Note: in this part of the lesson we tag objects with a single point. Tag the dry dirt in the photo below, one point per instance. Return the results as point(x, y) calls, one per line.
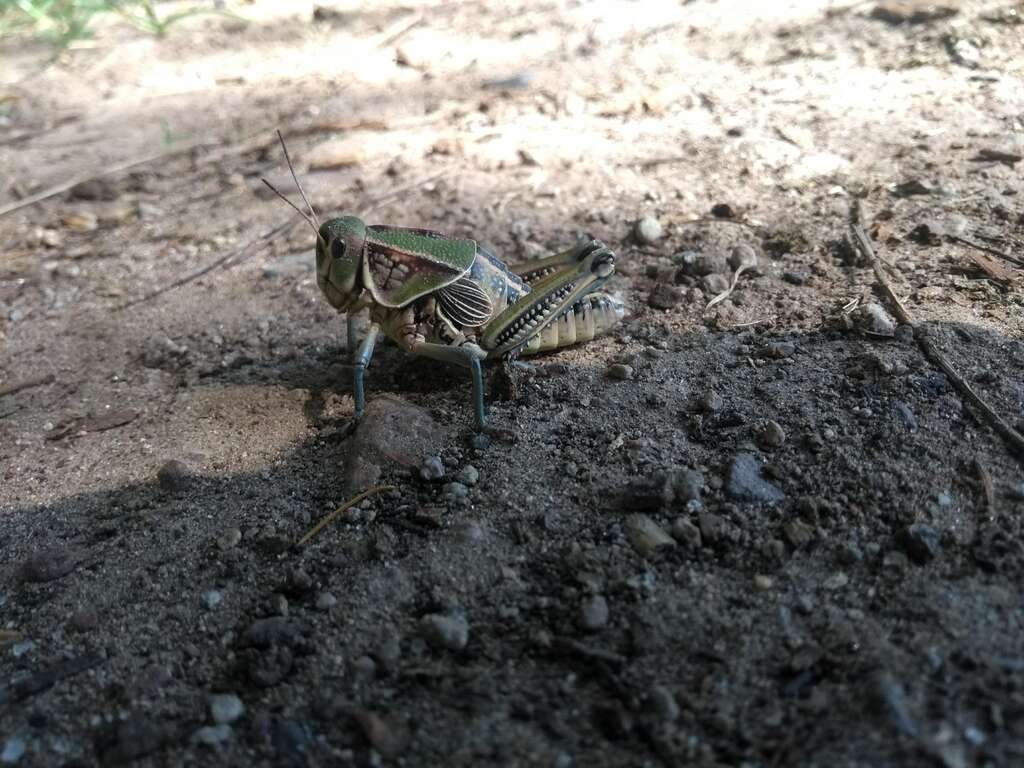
point(778, 537)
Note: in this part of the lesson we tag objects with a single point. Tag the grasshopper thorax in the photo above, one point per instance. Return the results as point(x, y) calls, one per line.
point(339, 254)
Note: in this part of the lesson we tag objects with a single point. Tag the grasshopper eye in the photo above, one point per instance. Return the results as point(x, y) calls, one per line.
point(338, 248)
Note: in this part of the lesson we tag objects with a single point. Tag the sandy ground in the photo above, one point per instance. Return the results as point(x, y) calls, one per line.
point(767, 533)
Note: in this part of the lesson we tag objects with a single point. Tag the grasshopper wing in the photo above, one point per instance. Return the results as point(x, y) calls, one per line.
point(401, 265)
point(465, 303)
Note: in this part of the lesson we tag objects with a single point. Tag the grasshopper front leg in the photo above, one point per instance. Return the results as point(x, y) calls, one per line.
point(583, 270)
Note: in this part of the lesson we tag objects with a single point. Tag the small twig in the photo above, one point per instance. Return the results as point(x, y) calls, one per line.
point(987, 249)
point(398, 192)
point(728, 291)
point(35, 381)
point(328, 519)
point(569, 646)
point(397, 30)
point(718, 220)
point(64, 186)
point(988, 494)
point(931, 352)
point(260, 241)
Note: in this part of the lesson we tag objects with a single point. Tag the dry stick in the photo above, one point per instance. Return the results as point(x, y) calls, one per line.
point(75, 180)
point(932, 352)
point(260, 241)
point(987, 249)
point(347, 505)
point(396, 193)
point(17, 386)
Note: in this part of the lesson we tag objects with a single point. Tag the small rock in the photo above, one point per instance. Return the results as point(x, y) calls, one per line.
point(797, 533)
point(687, 485)
point(226, 708)
point(711, 527)
point(445, 632)
point(594, 613)
point(723, 211)
point(387, 735)
point(19, 649)
point(921, 542)
point(648, 230)
point(454, 491)
point(873, 319)
point(796, 277)
point(837, 580)
point(660, 703)
point(743, 256)
point(620, 372)
point(769, 435)
point(686, 532)
point(278, 604)
point(325, 601)
point(905, 415)
point(468, 475)
point(664, 296)
point(212, 735)
point(715, 284)
point(709, 402)
point(762, 583)
point(364, 669)
point(47, 565)
point(84, 620)
point(897, 12)
point(130, 739)
point(646, 536)
point(229, 539)
point(745, 483)
point(432, 468)
point(211, 599)
point(14, 750)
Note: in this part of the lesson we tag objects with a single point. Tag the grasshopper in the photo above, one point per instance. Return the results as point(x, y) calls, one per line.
point(451, 299)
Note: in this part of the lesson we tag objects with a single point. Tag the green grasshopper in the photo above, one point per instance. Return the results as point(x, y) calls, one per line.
point(453, 300)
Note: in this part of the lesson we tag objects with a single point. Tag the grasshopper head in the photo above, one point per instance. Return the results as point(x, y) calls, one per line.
point(339, 256)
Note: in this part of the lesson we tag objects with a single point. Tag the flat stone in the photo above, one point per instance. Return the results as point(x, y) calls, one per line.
point(646, 536)
point(226, 708)
point(443, 632)
point(212, 735)
point(744, 481)
point(594, 613)
point(921, 543)
point(391, 432)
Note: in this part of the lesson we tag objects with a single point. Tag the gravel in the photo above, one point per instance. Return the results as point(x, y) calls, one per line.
point(445, 632)
point(226, 708)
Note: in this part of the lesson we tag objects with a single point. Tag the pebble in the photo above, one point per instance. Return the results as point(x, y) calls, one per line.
point(225, 708)
point(796, 277)
point(594, 613)
point(229, 539)
point(873, 319)
point(211, 599)
point(646, 536)
point(173, 475)
point(212, 735)
point(325, 601)
point(762, 583)
point(837, 580)
point(468, 475)
point(364, 669)
point(432, 468)
point(278, 604)
point(664, 296)
point(921, 542)
point(743, 256)
point(715, 284)
point(14, 749)
point(454, 491)
point(299, 583)
point(19, 649)
point(662, 704)
point(686, 532)
point(687, 485)
point(903, 412)
point(769, 434)
point(84, 620)
point(47, 565)
point(745, 483)
point(709, 402)
point(648, 230)
point(711, 526)
point(797, 533)
point(130, 739)
point(445, 632)
point(387, 735)
point(620, 372)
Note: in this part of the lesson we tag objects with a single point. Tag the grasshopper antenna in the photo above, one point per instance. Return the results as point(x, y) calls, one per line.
point(310, 217)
